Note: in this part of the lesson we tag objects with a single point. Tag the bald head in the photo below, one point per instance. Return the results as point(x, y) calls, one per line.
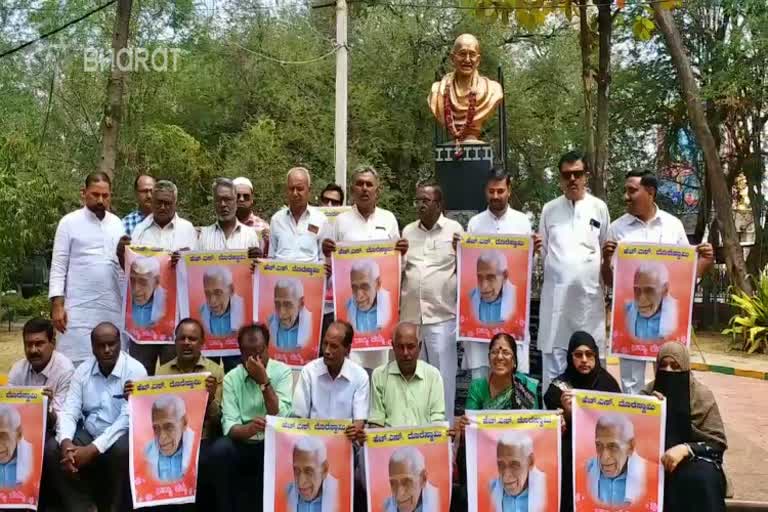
point(466, 41)
point(406, 346)
point(465, 56)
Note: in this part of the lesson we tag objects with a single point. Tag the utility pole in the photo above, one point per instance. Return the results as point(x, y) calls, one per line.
point(340, 141)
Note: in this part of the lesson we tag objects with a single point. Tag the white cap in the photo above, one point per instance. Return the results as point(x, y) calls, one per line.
point(243, 181)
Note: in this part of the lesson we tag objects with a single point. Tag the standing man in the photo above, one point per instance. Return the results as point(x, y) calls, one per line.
point(332, 195)
point(85, 283)
point(363, 223)
point(244, 192)
point(163, 229)
point(644, 222)
point(142, 187)
point(429, 285)
point(573, 228)
point(498, 219)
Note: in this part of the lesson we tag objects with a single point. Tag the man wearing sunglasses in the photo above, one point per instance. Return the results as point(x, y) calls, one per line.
point(573, 228)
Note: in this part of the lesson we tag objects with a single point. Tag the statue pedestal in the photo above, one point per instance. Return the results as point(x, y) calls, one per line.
point(463, 179)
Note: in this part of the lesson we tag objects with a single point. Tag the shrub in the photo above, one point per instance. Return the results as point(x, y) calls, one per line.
point(749, 327)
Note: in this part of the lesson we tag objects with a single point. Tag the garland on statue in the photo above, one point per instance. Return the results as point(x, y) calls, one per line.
point(458, 134)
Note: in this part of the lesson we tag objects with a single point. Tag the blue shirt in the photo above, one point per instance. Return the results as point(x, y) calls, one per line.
point(169, 466)
point(517, 503)
point(142, 315)
point(648, 328)
point(490, 312)
point(132, 220)
point(288, 339)
point(316, 505)
point(8, 474)
point(366, 321)
point(221, 325)
point(611, 490)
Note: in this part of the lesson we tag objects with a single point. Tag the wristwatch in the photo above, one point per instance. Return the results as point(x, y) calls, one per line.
point(264, 386)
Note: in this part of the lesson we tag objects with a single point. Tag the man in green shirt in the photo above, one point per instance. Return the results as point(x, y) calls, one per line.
point(406, 392)
point(255, 388)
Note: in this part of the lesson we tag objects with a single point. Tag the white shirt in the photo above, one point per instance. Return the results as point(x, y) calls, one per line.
point(176, 235)
point(572, 295)
point(317, 395)
point(94, 398)
point(56, 375)
point(663, 228)
point(300, 241)
point(212, 238)
point(86, 272)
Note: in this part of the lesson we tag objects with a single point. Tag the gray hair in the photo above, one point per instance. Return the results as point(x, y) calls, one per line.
point(225, 183)
point(165, 185)
point(621, 423)
point(515, 439)
point(293, 284)
point(410, 455)
point(167, 402)
point(369, 267)
point(300, 170)
point(655, 269)
point(146, 265)
point(494, 257)
point(10, 414)
point(313, 446)
point(366, 169)
point(221, 273)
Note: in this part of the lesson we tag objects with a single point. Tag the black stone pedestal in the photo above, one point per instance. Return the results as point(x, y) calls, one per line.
point(463, 179)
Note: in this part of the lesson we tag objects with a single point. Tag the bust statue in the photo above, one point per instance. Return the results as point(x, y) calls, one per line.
point(464, 100)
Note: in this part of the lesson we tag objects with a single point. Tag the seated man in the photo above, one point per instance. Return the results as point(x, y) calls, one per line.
point(291, 323)
point(409, 482)
point(652, 315)
point(493, 301)
point(520, 485)
point(16, 453)
point(313, 487)
point(92, 456)
point(406, 392)
point(256, 387)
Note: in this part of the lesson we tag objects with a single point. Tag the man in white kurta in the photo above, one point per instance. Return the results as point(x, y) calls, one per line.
point(644, 222)
point(86, 279)
point(497, 219)
point(365, 222)
point(573, 228)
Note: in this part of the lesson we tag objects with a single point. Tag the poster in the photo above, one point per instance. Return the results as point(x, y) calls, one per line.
point(306, 460)
point(366, 286)
point(149, 298)
point(216, 288)
point(331, 212)
point(494, 286)
point(289, 300)
point(513, 453)
point(405, 466)
point(166, 424)
point(653, 288)
point(617, 436)
point(22, 441)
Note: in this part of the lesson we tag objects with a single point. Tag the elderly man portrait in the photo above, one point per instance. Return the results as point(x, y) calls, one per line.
point(652, 315)
point(645, 222)
point(244, 193)
point(493, 300)
point(616, 475)
point(428, 296)
point(16, 453)
point(142, 189)
point(370, 307)
point(91, 461)
point(223, 311)
point(409, 483)
point(169, 452)
point(147, 296)
point(365, 222)
point(313, 488)
point(573, 228)
point(520, 486)
point(291, 323)
point(86, 284)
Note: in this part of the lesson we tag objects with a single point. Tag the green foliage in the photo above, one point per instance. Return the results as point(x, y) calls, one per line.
point(14, 307)
point(749, 327)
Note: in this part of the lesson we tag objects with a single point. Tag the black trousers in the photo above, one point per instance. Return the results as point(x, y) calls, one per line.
point(696, 485)
point(238, 475)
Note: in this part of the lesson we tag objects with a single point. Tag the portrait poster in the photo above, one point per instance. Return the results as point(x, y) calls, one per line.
point(617, 437)
point(149, 298)
point(166, 425)
point(405, 466)
point(653, 287)
point(516, 453)
point(216, 288)
point(366, 291)
point(23, 416)
point(494, 286)
point(288, 298)
point(307, 459)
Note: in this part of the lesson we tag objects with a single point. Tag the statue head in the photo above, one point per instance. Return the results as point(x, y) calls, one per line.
point(465, 55)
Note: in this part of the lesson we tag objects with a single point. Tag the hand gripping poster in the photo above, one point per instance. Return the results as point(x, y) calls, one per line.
point(494, 286)
point(366, 291)
point(307, 465)
point(149, 300)
point(653, 288)
point(23, 415)
point(166, 424)
point(216, 288)
point(618, 441)
point(513, 461)
point(405, 467)
point(289, 300)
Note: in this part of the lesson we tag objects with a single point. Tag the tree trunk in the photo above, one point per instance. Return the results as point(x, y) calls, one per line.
point(113, 107)
point(588, 83)
point(602, 137)
point(734, 257)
